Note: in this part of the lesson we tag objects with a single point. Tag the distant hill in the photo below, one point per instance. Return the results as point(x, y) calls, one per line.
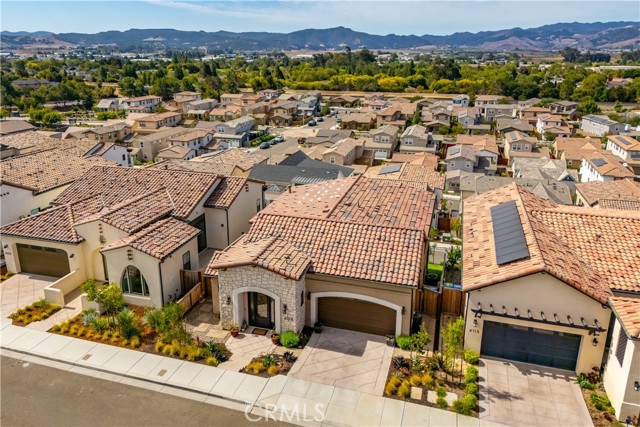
point(594, 36)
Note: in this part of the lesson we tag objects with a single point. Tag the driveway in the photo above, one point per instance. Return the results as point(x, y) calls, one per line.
point(522, 394)
point(21, 290)
point(345, 359)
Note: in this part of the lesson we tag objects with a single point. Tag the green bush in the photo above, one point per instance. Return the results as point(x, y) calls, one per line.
point(471, 375)
point(441, 402)
point(472, 388)
point(270, 360)
point(289, 339)
point(471, 357)
point(600, 401)
point(459, 408)
point(404, 390)
point(441, 391)
point(470, 401)
point(404, 342)
point(128, 325)
point(212, 361)
point(89, 316)
point(100, 324)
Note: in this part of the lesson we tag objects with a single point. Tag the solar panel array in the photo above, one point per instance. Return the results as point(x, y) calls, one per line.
point(390, 169)
point(599, 162)
point(508, 234)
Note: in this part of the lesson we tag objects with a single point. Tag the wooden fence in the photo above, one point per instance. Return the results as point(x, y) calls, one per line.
point(189, 279)
point(449, 301)
point(192, 297)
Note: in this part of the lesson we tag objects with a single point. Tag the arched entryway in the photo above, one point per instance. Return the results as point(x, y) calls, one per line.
point(257, 306)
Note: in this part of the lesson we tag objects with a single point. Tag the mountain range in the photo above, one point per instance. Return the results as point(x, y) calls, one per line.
point(593, 36)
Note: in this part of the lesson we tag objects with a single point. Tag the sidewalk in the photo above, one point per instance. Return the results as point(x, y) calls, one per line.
point(282, 397)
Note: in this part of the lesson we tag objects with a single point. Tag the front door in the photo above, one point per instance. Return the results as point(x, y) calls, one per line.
point(261, 308)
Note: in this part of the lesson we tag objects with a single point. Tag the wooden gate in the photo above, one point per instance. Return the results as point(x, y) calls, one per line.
point(189, 279)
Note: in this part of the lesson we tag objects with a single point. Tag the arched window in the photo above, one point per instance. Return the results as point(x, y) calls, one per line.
point(133, 282)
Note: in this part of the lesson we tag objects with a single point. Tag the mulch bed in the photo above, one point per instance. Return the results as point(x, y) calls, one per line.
point(283, 366)
point(32, 313)
point(599, 418)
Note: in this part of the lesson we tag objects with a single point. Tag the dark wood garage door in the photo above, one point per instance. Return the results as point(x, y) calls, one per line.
point(530, 345)
point(356, 315)
point(41, 260)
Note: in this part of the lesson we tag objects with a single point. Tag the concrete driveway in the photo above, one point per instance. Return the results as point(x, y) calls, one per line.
point(522, 394)
point(345, 359)
point(21, 290)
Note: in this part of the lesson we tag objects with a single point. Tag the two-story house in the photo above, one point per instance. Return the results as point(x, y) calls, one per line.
point(626, 148)
point(530, 114)
point(112, 133)
point(384, 141)
point(156, 121)
point(141, 104)
point(551, 124)
point(601, 125)
point(518, 144)
point(416, 138)
point(186, 96)
point(602, 166)
point(567, 109)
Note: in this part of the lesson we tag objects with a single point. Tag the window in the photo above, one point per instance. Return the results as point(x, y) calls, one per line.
point(526, 147)
point(186, 261)
point(302, 298)
point(516, 147)
point(621, 347)
point(468, 165)
point(133, 282)
point(332, 159)
point(124, 157)
point(258, 205)
point(34, 211)
point(141, 144)
point(452, 164)
point(408, 141)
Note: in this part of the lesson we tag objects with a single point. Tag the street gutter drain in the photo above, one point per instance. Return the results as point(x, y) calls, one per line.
point(162, 372)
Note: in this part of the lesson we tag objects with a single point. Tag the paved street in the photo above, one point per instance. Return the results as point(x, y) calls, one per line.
point(36, 395)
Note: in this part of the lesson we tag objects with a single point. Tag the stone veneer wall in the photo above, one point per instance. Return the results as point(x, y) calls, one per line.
point(288, 290)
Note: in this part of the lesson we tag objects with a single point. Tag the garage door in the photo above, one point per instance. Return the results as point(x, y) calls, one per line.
point(356, 315)
point(44, 261)
point(531, 345)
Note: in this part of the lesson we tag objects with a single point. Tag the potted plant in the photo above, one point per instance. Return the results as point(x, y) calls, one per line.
point(234, 329)
point(275, 338)
point(317, 327)
point(391, 340)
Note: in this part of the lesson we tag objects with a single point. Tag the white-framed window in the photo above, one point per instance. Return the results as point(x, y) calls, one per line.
point(133, 281)
point(332, 159)
point(384, 139)
point(516, 147)
point(526, 147)
point(408, 141)
point(468, 165)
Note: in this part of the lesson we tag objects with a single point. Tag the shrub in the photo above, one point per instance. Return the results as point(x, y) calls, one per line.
point(255, 368)
point(89, 316)
point(110, 297)
point(472, 388)
point(21, 319)
point(41, 304)
point(100, 324)
point(36, 318)
point(600, 401)
point(107, 335)
point(404, 341)
point(459, 408)
point(64, 328)
point(392, 386)
point(56, 328)
point(159, 346)
point(273, 370)
point(115, 339)
point(167, 349)
point(471, 375)
point(441, 391)
point(442, 403)
point(415, 380)
point(212, 361)
point(404, 390)
point(218, 350)
point(194, 352)
point(89, 333)
point(135, 342)
point(471, 357)
point(82, 331)
point(156, 319)
point(125, 342)
point(73, 330)
point(289, 339)
point(127, 323)
point(470, 402)
point(427, 380)
point(269, 360)
point(175, 349)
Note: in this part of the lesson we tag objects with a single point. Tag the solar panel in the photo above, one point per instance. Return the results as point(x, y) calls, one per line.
point(454, 150)
point(390, 169)
point(599, 162)
point(508, 234)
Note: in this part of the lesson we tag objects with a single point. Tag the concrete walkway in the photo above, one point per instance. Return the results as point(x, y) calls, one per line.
point(280, 397)
point(21, 290)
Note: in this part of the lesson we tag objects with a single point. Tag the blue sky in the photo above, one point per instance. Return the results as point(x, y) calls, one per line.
point(377, 17)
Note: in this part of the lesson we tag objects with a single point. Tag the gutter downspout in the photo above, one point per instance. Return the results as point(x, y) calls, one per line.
point(161, 287)
point(226, 211)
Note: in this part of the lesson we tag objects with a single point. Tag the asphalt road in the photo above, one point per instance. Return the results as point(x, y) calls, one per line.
point(36, 395)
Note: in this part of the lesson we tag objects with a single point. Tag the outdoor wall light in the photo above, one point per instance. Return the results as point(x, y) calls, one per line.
point(516, 311)
point(403, 310)
point(543, 316)
point(5, 246)
point(72, 255)
point(284, 308)
point(595, 342)
point(636, 386)
point(475, 322)
point(228, 300)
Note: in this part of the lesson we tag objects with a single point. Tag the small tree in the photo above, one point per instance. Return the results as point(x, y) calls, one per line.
point(326, 108)
point(109, 297)
point(452, 340)
point(456, 223)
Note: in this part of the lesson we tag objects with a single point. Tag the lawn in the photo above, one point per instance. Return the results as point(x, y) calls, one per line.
point(435, 269)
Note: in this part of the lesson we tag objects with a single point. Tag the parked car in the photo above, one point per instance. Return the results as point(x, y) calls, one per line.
point(312, 123)
point(338, 120)
point(278, 138)
point(264, 145)
point(320, 119)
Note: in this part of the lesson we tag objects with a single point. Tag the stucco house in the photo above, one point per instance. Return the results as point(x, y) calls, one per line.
point(135, 227)
point(603, 166)
point(626, 148)
point(327, 252)
point(597, 125)
point(385, 141)
point(519, 250)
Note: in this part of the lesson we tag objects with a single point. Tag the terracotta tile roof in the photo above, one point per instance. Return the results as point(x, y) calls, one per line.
point(270, 253)
point(79, 147)
point(608, 165)
point(159, 117)
point(189, 166)
point(14, 126)
point(548, 251)
point(359, 200)
point(55, 224)
point(45, 170)
point(415, 175)
point(23, 140)
point(226, 192)
point(237, 157)
point(625, 142)
point(360, 251)
point(622, 189)
point(344, 146)
point(627, 205)
point(627, 310)
point(174, 152)
point(159, 240)
point(196, 133)
point(424, 159)
point(134, 214)
point(482, 142)
point(115, 185)
point(608, 240)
